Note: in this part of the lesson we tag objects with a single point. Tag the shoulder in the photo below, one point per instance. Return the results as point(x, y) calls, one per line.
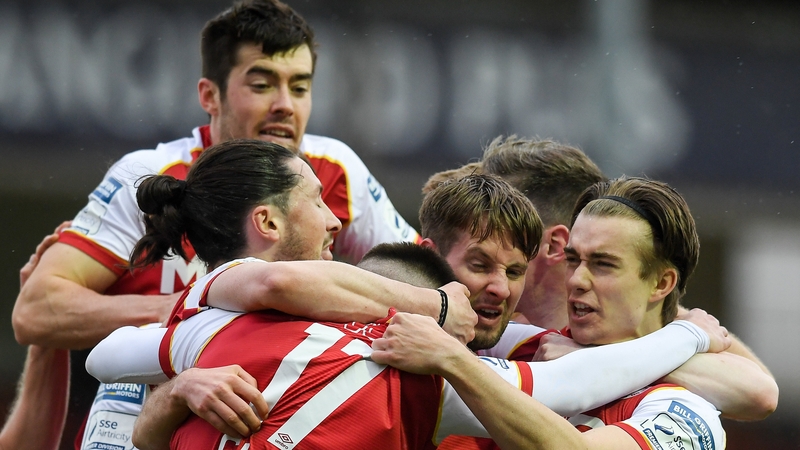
point(670, 413)
point(332, 150)
point(518, 342)
point(158, 160)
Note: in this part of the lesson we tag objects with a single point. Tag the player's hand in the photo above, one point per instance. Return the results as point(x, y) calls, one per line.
point(553, 346)
point(417, 344)
point(720, 341)
point(461, 319)
point(222, 397)
point(46, 243)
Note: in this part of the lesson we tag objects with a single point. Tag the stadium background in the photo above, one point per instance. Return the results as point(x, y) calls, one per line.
point(703, 95)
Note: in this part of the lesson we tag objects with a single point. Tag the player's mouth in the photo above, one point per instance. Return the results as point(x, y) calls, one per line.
point(327, 251)
point(277, 134)
point(488, 315)
point(580, 310)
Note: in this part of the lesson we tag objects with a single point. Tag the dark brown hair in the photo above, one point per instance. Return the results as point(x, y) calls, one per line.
point(273, 25)
point(484, 206)
point(552, 175)
point(673, 233)
point(209, 209)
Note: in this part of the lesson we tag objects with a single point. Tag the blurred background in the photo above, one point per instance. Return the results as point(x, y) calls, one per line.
point(702, 94)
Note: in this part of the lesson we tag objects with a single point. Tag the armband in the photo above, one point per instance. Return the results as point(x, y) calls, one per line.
point(443, 311)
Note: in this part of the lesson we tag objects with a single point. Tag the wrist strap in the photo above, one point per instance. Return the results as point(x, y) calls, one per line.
point(443, 311)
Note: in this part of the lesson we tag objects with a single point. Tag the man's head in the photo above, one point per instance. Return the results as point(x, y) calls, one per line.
point(552, 175)
point(258, 61)
point(409, 263)
point(633, 247)
point(240, 198)
point(487, 231)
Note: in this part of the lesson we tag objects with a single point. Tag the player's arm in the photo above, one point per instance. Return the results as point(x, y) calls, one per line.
point(220, 396)
point(334, 291)
point(412, 344)
point(128, 355)
point(63, 306)
point(735, 385)
point(44, 386)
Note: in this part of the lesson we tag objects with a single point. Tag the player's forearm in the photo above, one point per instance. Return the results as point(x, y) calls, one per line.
point(595, 376)
point(44, 386)
point(740, 348)
point(319, 290)
point(512, 418)
point(160, 417)
point(733, 384)
point(60, 313)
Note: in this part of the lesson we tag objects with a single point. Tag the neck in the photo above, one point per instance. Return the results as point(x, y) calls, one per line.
point(544, 299)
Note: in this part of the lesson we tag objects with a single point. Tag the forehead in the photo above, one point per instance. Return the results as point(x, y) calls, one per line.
point(295, 61)
point(614, 235)
point(492, 248)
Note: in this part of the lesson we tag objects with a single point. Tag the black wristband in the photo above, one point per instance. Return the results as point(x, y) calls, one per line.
point(443, 311)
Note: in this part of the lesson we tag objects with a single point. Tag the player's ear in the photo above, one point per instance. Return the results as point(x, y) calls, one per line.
point(664, 284)
point(209, 95)
point(267, 222)
point(554, 241)
point(427, 242)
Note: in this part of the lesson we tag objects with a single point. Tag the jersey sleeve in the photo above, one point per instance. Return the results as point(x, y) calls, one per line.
point(109, 226)
point(591, 377)
point(184, 341)
point(673, 417)
point(456, 418)
point(357, 198)
point(518, 342)
point(128, 355)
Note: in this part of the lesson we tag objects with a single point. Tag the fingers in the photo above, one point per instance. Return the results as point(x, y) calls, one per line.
point(222, 397)
point(64, 225)
point(257, 402)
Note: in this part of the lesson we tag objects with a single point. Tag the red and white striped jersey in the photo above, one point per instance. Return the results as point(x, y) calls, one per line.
point(109, 226)
point(660, 416)
point(321, 387)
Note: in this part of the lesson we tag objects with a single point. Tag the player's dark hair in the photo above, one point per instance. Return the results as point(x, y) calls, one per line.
point(673, 233)
point(483, 206)
point(210, 208)
point(273, 25)
point(552, 175)
point(409, 263)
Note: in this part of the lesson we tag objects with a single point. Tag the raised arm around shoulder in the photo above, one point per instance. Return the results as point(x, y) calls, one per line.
point(332, 291)
point(736, 386)
point(62, 305)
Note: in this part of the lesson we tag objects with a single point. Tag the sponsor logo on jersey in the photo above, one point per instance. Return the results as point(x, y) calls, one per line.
point(105, 192)
point(285, 438)
point(678, 429)
point(695, 423)
point(126, 392)
point(375, 188)
point(502, 363)
point(104, 446)
point(108, 430)
point(90, 218)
